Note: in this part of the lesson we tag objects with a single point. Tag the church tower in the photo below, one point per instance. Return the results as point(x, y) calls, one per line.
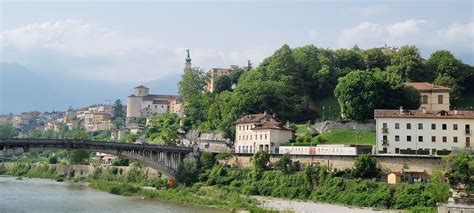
point(187, 65)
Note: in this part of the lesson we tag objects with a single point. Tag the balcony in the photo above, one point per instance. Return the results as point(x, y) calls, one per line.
point(384, 142)
point(467, 132)
point(385, 130)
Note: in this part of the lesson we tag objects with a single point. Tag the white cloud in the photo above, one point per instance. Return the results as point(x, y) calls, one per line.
point(455, 37)
point(87, 50)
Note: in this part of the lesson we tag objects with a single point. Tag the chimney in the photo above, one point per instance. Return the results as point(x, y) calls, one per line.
point(424, 111)
point(265, 112)
point(401, 110)
point(455, 111)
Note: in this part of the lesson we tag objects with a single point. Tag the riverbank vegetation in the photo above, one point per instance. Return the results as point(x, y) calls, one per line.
point(210, 182)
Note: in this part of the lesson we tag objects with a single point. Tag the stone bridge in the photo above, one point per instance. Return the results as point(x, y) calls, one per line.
point(163, 158)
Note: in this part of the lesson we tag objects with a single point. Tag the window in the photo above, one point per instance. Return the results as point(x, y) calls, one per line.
point(265, 136)
point(433, 126)
point(468, 142)
point(397, 137)
point(420, 126)
point(384, 125)
point(385, 138)
point(397, 150)
point(433, 139)
point(420, 138)
point(440, 99)
point(239, 137)
point(444, 126)
point(445, 139)
point(455, 139)
point(425, 99)
point(408, 125)
point(397, 126)
point(260, 136)
point(408, 138)
point(455, 127)
point(250, 137)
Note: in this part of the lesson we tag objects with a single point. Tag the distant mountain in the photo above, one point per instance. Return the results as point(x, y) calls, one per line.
point(23, 90)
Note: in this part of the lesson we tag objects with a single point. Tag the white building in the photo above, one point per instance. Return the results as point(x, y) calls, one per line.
point(433, 97)
point(403, 131)
point(260, 132)
point(142, 104)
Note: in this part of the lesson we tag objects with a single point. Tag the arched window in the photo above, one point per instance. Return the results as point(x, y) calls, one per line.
point(425, 99)
point(440, 99)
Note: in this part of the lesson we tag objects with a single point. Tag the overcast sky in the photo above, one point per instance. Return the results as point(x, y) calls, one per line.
point(137, 42)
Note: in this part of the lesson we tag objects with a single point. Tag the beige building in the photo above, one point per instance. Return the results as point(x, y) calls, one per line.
point(260, 132)
point(214, 73)
point(394, 177)
point(433, 97)
point(428, 132)
point(142, 104)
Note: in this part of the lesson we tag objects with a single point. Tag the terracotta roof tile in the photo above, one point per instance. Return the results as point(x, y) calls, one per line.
point(388, 113)
point(425, 86)
point(270, 125)
point(252, 118)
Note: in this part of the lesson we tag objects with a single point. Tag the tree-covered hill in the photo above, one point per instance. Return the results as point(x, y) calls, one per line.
point(291, 83)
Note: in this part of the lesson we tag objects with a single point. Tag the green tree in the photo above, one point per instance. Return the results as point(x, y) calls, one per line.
point(78, 156)
point(118, 110)
point(192, 83)
point(207, 160)
point(222, 83)
point(163, 128)
point(375, 58)
point(260, 161)
point(8, 131)
point(407, 63)
point(360, 92)
point(438, 188)
point(365, 166)
point(448, 81)
point(188, 171)
point(443, 63)
point(235, 75)
point(284, 164)
point(459, 169)
point(53, 160)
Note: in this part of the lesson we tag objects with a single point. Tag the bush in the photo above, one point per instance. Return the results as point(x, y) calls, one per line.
point(53, 160)
point(443, 152)
point(365, 166)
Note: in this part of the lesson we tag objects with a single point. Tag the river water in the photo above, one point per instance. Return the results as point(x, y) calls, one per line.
point(39, 195)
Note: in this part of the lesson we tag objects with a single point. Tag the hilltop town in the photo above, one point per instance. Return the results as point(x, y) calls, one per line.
point(306, 106)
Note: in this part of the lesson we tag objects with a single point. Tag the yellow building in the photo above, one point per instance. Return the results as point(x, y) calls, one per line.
point(214, 73)
point(394, 177)
point(433, 97)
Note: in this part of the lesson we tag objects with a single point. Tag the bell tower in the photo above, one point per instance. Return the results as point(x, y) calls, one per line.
point(187, 65)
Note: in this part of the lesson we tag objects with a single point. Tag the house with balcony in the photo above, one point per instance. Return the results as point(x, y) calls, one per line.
point(423, 132)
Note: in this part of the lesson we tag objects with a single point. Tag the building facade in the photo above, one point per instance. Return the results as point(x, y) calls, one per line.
point(142, 104)
point(260, 132)
point(214, 73)
point(433, 97)
point(426, 132)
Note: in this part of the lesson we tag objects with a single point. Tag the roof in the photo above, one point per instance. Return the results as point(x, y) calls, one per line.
point(396, 173)
point(389, 113)
point(160, 102)
point(141, 87)
point(428, 87)
point(270, 125)
point(253, 118)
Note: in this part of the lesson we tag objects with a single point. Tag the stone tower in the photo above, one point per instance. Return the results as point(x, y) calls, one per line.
point(187, 65)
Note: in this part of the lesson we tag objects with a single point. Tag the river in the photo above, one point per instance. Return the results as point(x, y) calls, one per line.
point(39, 195)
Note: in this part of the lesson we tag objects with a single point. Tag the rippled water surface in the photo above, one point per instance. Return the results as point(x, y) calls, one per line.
point(38, 195)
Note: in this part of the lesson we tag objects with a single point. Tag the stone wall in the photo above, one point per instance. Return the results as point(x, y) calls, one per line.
point(327, 126)
point(386, 163)
point(83, 170)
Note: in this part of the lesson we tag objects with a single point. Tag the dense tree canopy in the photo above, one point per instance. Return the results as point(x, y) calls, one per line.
point(291, 83)
point(222, 83)
point(8, 131)
point(192, 83)
point(360, 92)
point(163, 128)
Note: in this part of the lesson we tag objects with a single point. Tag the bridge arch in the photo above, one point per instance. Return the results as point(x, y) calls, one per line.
point(164, 158)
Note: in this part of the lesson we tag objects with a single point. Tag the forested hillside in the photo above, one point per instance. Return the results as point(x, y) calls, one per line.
point(292, 82)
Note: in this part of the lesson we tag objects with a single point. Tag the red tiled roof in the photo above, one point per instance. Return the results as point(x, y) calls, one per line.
point(253, 118)
point(270, 125)
point(389, 113)
point(425, 86)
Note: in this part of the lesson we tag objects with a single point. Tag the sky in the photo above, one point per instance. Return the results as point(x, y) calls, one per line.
point(118, 44)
